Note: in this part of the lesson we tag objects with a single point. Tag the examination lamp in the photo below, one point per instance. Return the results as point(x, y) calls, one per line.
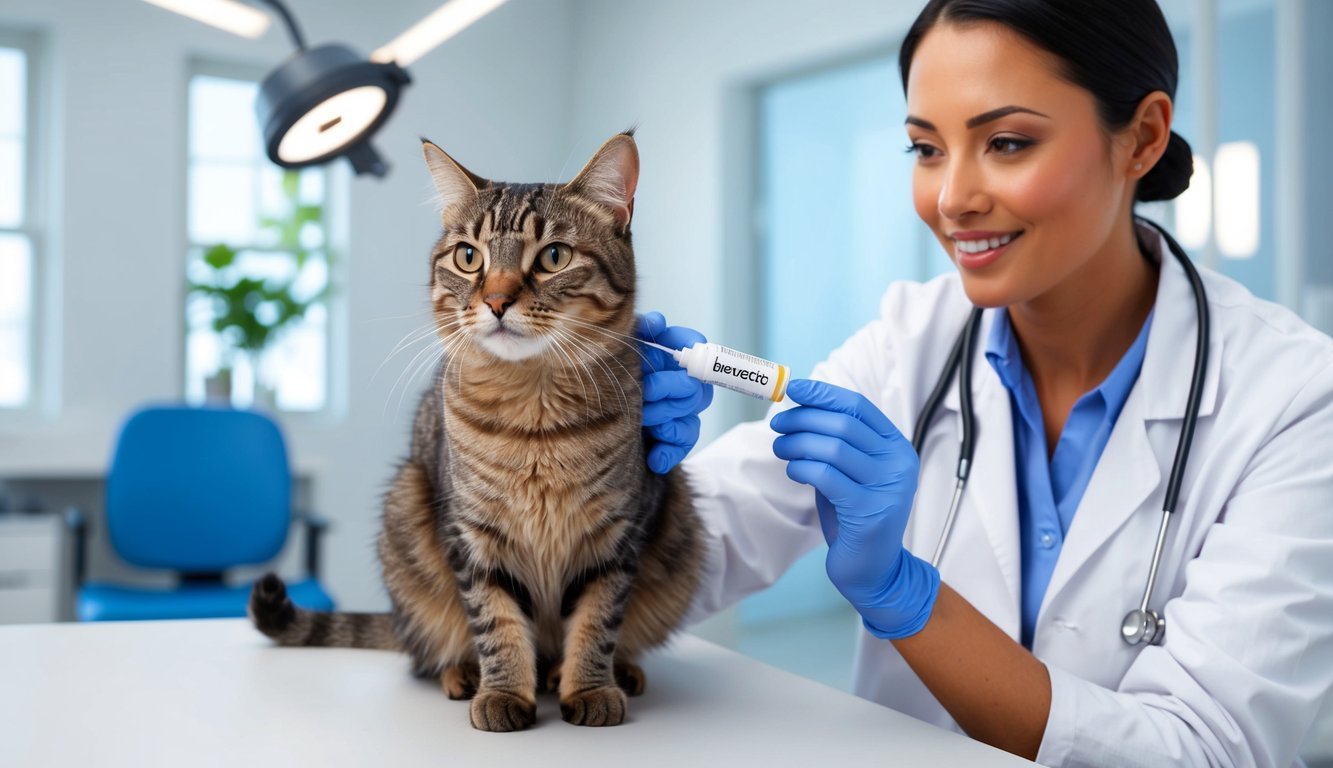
point(326, 102)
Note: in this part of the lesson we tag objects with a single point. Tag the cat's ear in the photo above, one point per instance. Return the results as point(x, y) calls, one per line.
point(453, 182)
point(610, 177)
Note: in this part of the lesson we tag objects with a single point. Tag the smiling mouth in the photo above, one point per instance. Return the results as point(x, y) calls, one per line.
point(981, 245)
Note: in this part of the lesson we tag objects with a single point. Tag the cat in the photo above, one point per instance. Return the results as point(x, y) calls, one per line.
point(525, 544)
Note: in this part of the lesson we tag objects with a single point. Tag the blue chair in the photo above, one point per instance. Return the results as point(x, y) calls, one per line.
point(196, 491)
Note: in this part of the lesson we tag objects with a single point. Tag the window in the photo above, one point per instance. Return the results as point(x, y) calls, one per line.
point(1225, 218)
point(830, 150)
point(1253, 96)
point(17, 234)
point(257, 314)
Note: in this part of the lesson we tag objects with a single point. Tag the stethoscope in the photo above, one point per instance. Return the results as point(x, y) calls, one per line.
point(1141, 625)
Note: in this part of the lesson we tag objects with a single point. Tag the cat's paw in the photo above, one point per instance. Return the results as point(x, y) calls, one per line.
point(595, 706)
point(501, 711)
point(461, 680)
point(630, 678)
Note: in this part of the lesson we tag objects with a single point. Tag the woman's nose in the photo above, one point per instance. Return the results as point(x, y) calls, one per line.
point(963, 191)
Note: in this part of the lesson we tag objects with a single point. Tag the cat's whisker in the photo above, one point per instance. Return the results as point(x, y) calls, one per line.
point(453, 346)
point(574, 339)
point(382, 318)
point(609, 338)
point(578, 369)
point(591, 344)
point(424, 359)
point(398, 407)
point(579, 321)
point(408, 375)
point(625, 402)
point(593, 353)
point(467, 341)
point(568, 157)
point(632, 343)
point(415, 336)
point(567, 339)
point(556, 347)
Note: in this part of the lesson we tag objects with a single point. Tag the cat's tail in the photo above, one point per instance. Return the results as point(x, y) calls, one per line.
point(274, 614)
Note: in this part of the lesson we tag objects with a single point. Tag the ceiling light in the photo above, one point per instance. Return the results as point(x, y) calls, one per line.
point(234, 17)
point(326, 102)
point(447, 21)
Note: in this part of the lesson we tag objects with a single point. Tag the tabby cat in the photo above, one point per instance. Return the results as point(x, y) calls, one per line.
point(525, 544)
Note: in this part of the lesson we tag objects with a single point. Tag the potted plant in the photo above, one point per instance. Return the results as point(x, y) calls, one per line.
point(250, 313)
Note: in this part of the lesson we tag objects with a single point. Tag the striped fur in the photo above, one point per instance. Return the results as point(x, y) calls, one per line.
point(525, 544)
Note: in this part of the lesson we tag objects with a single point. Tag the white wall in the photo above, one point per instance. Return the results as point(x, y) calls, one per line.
point(526, 94)
point(114, 226)
point(684, 72)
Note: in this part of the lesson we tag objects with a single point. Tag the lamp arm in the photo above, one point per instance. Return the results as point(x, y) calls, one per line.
point(297, 38)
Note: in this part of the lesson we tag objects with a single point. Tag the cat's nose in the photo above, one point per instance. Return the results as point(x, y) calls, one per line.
point(498, 302)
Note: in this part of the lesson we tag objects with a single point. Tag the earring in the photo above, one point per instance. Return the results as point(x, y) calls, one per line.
point(1138, 166)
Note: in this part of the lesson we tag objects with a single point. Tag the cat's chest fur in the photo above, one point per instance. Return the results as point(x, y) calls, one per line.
point(552, 469)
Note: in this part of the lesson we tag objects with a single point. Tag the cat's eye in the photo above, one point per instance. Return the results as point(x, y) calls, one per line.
point(554, 257)
point(467, 258)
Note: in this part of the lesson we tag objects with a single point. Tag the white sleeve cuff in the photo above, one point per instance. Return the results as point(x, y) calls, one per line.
point(1057, 744)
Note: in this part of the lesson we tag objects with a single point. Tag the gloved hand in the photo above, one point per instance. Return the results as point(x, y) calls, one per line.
point(864, 473)
point(672, 400)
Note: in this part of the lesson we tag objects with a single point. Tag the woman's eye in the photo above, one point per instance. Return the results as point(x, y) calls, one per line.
point(467, 258)
point(922, 151)
point(1008, 146)
point(554, 257)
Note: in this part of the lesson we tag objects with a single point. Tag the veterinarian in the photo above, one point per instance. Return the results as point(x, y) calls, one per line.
point(1112, 543)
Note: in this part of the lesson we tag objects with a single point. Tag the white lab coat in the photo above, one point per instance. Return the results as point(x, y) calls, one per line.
point(1246, 577)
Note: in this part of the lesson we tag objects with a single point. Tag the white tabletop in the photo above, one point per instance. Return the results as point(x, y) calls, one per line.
point(196, 693)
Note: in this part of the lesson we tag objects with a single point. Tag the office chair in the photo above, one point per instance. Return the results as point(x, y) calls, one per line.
point(196, 491)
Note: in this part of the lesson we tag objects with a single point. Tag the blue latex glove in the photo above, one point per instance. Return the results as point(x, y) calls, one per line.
point(864, 473)
point(672, 400)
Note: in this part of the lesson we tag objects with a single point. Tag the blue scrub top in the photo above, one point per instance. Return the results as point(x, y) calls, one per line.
point(1049, 490)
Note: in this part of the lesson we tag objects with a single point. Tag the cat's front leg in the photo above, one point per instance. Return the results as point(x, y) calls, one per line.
point(499, 611)
point(594, 609)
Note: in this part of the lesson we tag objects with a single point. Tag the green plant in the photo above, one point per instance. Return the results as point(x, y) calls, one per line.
point(250, 313)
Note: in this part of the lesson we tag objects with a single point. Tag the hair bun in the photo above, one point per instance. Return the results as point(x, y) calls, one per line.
point(1171, 175)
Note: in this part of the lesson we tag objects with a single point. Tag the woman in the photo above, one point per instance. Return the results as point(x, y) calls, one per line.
point(1037, 124)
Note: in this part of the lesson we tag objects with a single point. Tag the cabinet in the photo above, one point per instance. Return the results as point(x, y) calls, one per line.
point(34, 568)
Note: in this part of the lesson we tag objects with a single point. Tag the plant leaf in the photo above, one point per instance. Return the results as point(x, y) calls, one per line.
point(220, 256)
point(291, 184)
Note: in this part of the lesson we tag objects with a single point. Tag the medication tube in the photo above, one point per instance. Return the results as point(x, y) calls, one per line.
point(732, 369)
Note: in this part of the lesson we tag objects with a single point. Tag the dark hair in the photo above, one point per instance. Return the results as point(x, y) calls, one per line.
point(1119, 50)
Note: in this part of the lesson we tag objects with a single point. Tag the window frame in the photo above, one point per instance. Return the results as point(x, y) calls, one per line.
point(32, 224)
point(335, 186)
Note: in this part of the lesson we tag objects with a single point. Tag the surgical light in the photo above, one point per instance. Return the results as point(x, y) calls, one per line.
point(326, 102)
